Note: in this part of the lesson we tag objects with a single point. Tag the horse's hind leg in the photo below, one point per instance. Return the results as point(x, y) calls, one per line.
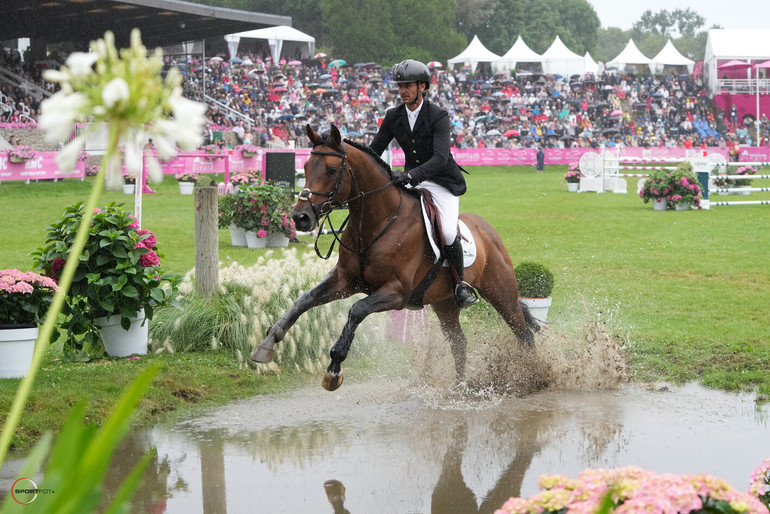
point(502, 296)
point(449, 318)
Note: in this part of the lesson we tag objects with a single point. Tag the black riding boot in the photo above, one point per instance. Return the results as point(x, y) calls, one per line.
point(465, 295)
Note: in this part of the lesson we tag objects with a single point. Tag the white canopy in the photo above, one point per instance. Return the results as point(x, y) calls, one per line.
point(520, 52)
point(559, 59)
point(630, 55)
point(474, 54)
point(670, 56)
point(591, 65)
point(279, 38)
point(726, 44)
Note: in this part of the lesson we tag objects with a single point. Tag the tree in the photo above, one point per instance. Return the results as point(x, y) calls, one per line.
point(610, 42)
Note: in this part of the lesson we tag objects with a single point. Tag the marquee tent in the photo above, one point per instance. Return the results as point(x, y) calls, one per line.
point(591, 65)
point(723, 45)
point(559, 59)
point(475, 54)
point(520, 52)
point(670, 56)
point(280, 39)
point(630, 55)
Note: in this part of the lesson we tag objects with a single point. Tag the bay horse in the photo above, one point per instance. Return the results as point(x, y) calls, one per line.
point(385, 253)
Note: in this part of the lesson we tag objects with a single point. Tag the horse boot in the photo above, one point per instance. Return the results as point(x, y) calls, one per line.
point(465, 295)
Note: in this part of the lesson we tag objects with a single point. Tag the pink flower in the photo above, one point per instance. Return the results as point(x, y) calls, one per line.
point(149, 259)
point(265, 222)
point(148, 242)
point(56, 266)
point(135, 223)
point(262, 233)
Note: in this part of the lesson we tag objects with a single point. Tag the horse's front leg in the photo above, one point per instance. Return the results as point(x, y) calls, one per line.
point(329, 289)
point(381, 300)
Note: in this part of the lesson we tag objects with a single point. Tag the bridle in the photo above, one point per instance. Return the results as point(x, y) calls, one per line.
point(323, 212)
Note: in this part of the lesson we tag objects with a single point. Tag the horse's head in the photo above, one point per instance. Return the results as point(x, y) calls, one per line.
point(324, 174)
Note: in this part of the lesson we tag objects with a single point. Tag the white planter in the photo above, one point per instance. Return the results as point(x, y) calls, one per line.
point(682, 207)
point(538, 307)
point(16, 348)
point(186, 188)
point(129, 188)
point(660, 205)
point(572, 187)
point(237, 235)
point(122, 343)
point(277, 240)
point(253, 241)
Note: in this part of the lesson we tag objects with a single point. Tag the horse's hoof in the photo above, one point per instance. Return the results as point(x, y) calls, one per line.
point(261, 354)
point(331, 382)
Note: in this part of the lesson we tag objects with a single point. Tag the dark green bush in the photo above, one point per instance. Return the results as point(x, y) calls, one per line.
point(535, 280)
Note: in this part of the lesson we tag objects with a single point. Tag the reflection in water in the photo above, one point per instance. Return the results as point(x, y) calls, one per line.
point(381, 448)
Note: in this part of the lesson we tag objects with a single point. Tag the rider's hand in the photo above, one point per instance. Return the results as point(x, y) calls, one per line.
point(400, 178)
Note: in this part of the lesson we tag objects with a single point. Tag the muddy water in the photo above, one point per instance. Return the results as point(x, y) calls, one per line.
point(419, 445)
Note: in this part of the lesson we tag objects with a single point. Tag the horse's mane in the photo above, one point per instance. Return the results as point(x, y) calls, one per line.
point(371, 154)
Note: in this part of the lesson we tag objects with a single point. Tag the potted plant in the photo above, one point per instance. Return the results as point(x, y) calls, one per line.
point(248, 149)
point(685, 191)
point(24, 301)
point(657, 187)
point(186, 182)
point(275, 204)
point(573, 177)
point(215, 150)
point(21, 153)
point(744, 183)
point(129, 183)
point(535, 283)
point(246, 177)
point(227, 218)
point(118, 282)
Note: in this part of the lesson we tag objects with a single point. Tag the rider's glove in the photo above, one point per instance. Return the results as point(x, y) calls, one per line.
point(401, 179)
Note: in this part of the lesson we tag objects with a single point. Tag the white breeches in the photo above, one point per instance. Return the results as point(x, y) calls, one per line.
point(448, 207)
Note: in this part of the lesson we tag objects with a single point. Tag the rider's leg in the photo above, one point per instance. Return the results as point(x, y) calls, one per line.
point(465, 295)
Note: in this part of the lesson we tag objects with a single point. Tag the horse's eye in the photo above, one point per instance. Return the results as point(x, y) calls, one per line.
point(332, 170)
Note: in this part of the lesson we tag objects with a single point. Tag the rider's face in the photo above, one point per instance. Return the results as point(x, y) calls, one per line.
point(409, 93)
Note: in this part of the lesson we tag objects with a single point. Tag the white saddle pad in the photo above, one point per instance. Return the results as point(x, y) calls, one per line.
point(466, 237)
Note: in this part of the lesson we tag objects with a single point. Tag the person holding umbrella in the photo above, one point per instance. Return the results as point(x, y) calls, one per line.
point(422, 128)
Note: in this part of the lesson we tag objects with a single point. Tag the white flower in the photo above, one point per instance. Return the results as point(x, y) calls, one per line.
point(67, 158)
point(116, 91)
point(58, 113)
point(189, 117)
point(81, 63)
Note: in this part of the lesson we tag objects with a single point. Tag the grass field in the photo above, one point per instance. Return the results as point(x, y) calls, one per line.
point(688, 290)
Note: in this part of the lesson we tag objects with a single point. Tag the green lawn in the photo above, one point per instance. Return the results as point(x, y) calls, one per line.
point(688, 291)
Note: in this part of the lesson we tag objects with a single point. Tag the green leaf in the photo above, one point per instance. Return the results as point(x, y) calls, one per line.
point(130, 291)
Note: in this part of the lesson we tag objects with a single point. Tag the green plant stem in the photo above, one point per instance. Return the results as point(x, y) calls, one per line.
point(41, 345)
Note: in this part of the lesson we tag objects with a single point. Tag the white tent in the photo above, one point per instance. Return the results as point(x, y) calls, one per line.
point(280, 38)
point(727, 44)
point(559, 59)
point(591, 65)
point(520, 52)
point(670, 56)
point(474, 54)
point(630, 55)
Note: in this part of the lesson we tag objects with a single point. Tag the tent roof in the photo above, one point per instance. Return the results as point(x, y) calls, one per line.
point(558, 51)
point(591, 65)
point(281, 32)
point(725, 44)
point(475, 53)
point(630, 55)
point(520, 52)
point(671, 56)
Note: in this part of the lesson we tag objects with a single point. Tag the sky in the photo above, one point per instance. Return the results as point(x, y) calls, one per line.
point(735, 14)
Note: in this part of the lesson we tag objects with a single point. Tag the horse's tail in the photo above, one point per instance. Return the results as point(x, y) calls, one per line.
point(531, 322)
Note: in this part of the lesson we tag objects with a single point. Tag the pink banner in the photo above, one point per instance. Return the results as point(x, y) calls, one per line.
point(42, 166)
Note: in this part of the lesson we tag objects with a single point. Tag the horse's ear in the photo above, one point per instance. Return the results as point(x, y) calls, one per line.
point(312, 134)
point(336, 136)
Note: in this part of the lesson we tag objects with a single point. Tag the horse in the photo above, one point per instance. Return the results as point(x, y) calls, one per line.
point(384, 252)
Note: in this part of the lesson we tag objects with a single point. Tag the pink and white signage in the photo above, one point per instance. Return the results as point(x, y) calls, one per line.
point(42, 166)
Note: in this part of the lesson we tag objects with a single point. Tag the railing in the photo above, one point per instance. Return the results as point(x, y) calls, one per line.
point(235, 113)
point(743, 86)
point(15, 80)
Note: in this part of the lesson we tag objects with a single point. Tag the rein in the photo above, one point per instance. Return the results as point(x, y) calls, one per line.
point(324, 211)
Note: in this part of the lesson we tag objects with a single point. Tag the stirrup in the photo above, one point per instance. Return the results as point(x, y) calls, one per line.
point(465, 295)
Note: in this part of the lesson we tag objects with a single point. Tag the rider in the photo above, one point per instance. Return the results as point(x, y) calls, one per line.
point(422, 130)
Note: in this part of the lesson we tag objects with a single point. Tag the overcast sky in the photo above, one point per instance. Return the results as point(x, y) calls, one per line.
point(729, 14)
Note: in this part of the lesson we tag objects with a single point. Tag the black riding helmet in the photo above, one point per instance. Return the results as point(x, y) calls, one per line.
point(411, 71)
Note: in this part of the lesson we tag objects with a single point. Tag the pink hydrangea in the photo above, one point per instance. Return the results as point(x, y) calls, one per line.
point(149, 259)
point(148, 242)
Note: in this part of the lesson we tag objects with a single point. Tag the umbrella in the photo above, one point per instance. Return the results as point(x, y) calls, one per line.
point(248, 62)
point(279, 89)
point(359, 65)
point(611, 130)
point(523, 73)
point(734, 65)
point(502, 73)
point(493, 132)
point(616, 112)
point(236, 60)
point(319, 55)
point(320, 90)
point(511, 132)
point(291, 63)
point(325, 76)
point(435, 64)
point(765, 64)
point(337, 63)
point(257, 71)
point(216, 59)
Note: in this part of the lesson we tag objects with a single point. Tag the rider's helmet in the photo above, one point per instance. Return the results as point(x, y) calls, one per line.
point(411, 71)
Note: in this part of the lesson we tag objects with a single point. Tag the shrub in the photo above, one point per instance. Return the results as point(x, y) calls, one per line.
point(535, 280)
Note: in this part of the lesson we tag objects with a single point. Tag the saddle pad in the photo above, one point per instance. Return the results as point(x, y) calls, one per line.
point(466, 238)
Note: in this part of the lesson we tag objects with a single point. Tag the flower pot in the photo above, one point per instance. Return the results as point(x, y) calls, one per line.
point(186, 188)
point(660, 204)
point(16, 348)
point(538, 307)
point(14, 158)
point(249, 154)
point(122, 343)
point(682, 207)
point(277, 240)
point(129, 188)
point(237, 235)
point(254, 241)
point(572, 187)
